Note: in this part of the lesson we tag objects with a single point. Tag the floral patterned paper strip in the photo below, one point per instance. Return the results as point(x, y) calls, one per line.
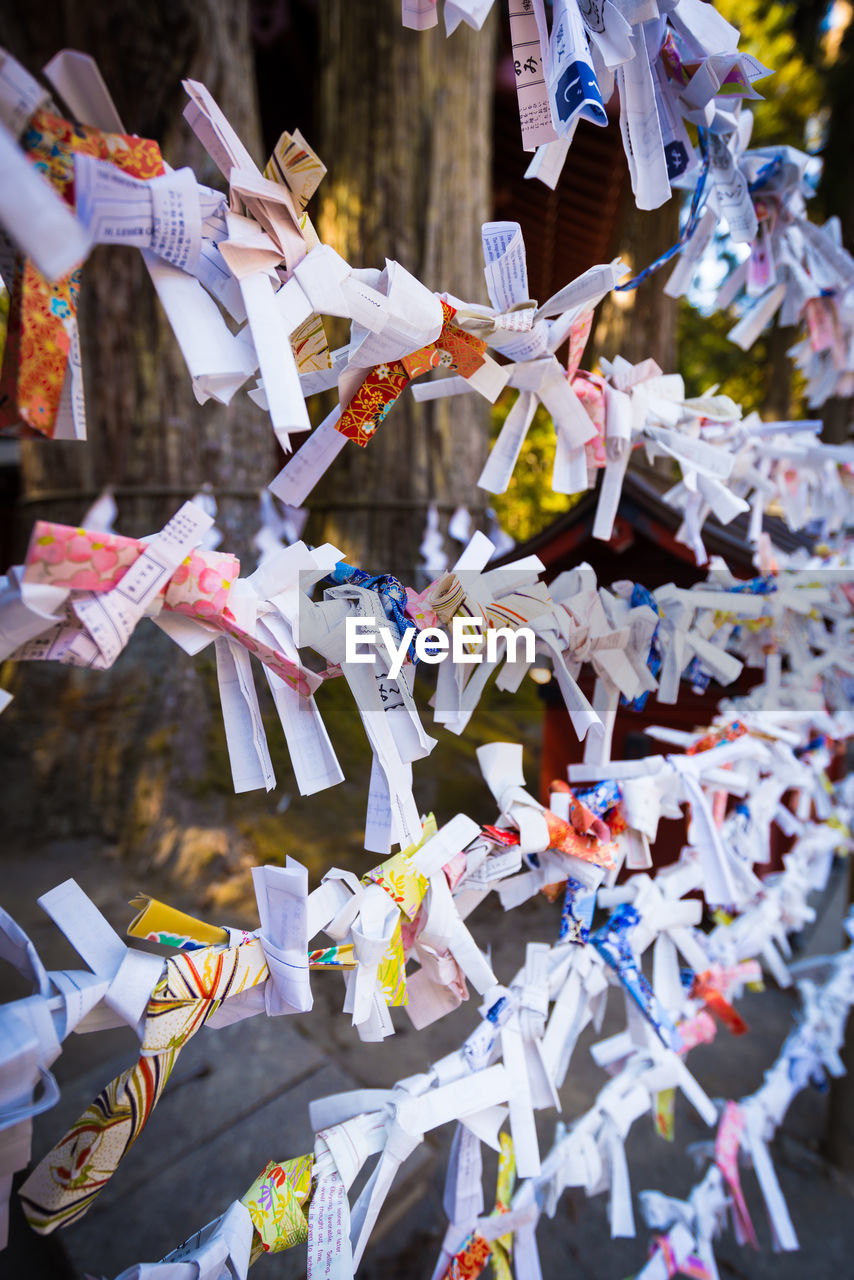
point(564, 838)
point(578, 335)
point(502, 1247)
point(84, 560)
point(340, 957)
point(158, 922)
point(579, 903)
point(391, 970)
point(664, 1113)
point(454, 349)
point(612, 941)
point(42, 314)
point(700, 1029)
point(399, 876)
point(65, 1183)
point(727, 1144)
point(692, 1267)
point(275, 1202)
point(469, 1261)
point(372, 401)
point(706, 988)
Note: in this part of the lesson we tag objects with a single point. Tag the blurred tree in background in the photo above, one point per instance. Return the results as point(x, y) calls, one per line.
point(405, 129)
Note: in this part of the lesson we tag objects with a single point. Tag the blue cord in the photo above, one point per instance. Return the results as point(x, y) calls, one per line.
point(697, 201)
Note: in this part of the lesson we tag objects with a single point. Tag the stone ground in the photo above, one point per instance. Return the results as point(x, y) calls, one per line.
point(239, 1097)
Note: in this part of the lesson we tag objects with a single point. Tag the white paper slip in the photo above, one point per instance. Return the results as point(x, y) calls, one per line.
point(162, 214)
point(248, 755)
point(585, 291)
point(79, 83)
point(549, 159)
point(313, 758)
point(315, 455)
point(20, 94)
point(410, 317)
point(573, 87)
point(535, 114)
point(419, 15)
point(275, 356)
point(641, 130)
point(218, 361)
point(730, 187)
point(26, 610)
point(506, 267)
point(504, 454)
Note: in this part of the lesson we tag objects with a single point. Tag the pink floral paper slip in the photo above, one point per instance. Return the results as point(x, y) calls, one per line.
point(77, 559)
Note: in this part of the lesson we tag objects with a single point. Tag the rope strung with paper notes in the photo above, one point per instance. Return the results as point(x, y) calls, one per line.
point(553, 850)
point(673, 65)
point(416, 902)
point(809, 1056)
point(80, 595)
point(795, 270)
point(88, 182)
point(253, 255)
point(729, 464)
point(683, 1245)
point(414, 906)
point(670, 64)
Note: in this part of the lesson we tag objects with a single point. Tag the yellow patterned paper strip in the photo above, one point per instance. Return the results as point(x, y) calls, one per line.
point(295, 165)
point(275, 1202)
point(157, 922)
point(399, 876)
point(391, 970)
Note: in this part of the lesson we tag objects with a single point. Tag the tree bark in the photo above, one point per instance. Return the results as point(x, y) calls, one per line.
point(405, 130)
point(836, 193)
point(777, 402)
point(639, 323)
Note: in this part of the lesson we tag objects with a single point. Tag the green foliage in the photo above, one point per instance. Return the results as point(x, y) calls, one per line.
point(793, 94)
point(707, 357)
point(529, 504)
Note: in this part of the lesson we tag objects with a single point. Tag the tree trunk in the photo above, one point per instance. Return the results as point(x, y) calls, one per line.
point(404, 128)
point(124, 755)
point(836, 193)
point(777, 402)
point(639, 323)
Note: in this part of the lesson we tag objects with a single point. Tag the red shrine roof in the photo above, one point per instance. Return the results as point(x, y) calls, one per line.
point(643, 547)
